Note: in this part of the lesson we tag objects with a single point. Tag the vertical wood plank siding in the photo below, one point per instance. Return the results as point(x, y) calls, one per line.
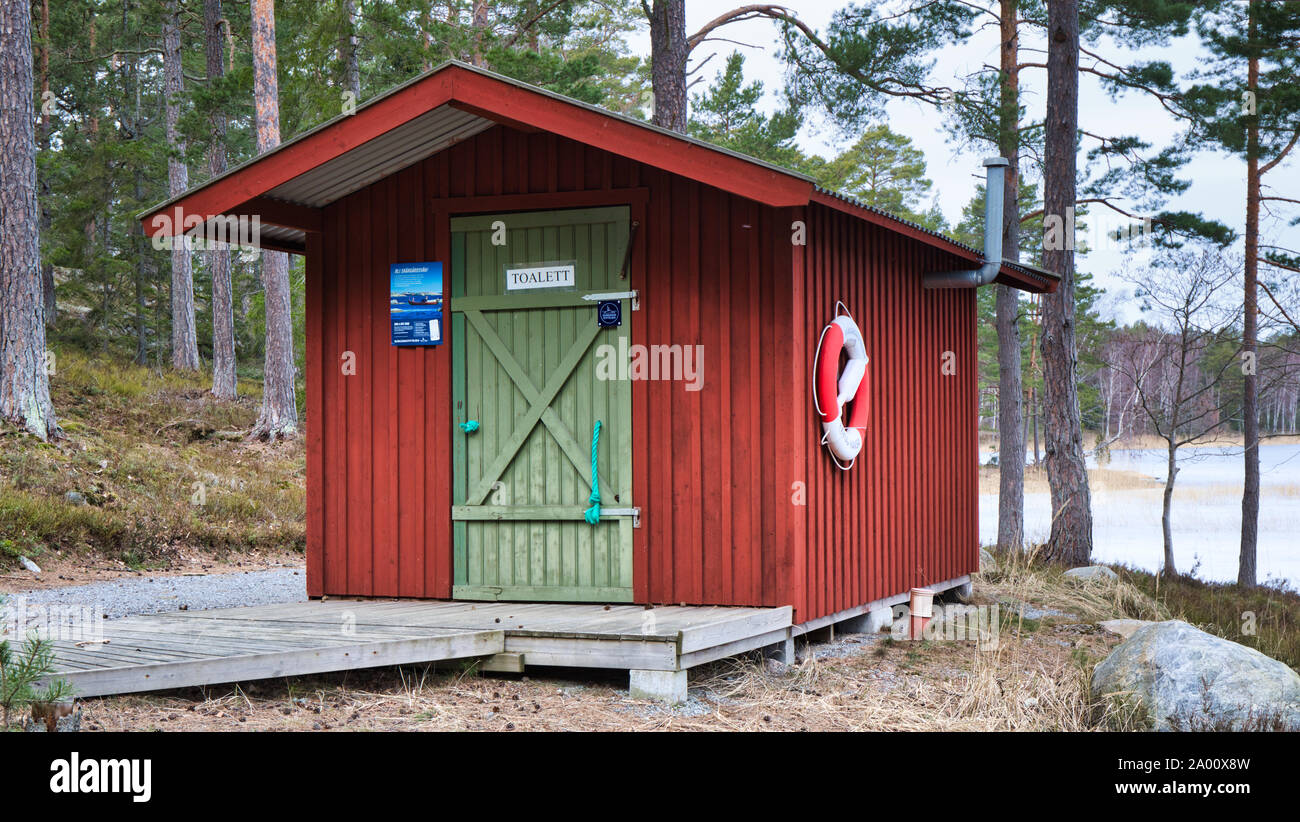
point(715, 471)
point(906, 514)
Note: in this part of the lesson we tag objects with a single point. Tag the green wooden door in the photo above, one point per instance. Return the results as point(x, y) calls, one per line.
point(525, 367)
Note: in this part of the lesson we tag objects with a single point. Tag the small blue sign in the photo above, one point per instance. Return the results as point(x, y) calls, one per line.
point(415, 303)
point(609, 313)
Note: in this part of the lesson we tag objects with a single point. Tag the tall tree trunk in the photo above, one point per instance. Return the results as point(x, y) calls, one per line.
point(24, 380)
point(1011, 443)
point(1246, 571)
point(140, 240)
point(223, 300)
point(1166, 516)
point(279, 417)
point(1034, 409)
point(668, 54)
point(141, 279)
point(480, 32)
point(47, 220)
point(348, 55)
point(185, 341)
point(1071, 539)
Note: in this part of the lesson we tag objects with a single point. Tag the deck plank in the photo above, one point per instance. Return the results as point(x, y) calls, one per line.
point(185, 648)
point(432, 647)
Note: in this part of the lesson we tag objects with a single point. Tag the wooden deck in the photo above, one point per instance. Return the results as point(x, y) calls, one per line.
point(187, 648)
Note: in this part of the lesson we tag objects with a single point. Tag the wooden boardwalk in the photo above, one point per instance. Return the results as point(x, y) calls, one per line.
point(188, 648)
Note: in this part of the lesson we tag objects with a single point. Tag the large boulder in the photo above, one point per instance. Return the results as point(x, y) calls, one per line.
point(1123, 628)
point(1096, 573)
point(1186, 679)
point(987, 561)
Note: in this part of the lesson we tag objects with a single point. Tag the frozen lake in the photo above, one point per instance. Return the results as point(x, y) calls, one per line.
point(1206, 513)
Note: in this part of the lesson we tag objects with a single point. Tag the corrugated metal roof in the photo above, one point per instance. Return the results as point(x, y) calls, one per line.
point(413, 81)
point(282, 234)
point(276, 233)
point(1034, 273)
point(436, 130)
point(855, 202)
point(388, 153)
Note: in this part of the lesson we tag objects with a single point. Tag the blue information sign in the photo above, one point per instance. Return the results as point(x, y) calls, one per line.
point(609, 313)
point(415, 303)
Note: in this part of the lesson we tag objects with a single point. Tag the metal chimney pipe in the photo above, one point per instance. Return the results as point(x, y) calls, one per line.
point(988, 270)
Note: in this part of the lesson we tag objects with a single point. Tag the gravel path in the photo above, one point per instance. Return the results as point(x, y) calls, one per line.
point(154, 595)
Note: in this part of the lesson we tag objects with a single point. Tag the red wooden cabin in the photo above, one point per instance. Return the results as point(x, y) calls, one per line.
point(722, 495)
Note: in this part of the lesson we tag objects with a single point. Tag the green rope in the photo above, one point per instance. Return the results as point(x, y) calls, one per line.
point(592, 514)
point(469, 427)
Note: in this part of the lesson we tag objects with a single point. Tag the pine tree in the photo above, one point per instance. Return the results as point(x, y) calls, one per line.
point(219, 262)
point(24, 378)
point(668, 56)
point(185, 342)
point(727, 115)
point(883, 169)
point(279, 416)
point(1247, 102)
point(1071, 536)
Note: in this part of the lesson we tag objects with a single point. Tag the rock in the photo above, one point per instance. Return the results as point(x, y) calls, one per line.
point(775, 667)
point(1186, 679)
point(75, 498)
point(987, 560)
point(1092, 573)
point(29, 565)
point(1123, 627)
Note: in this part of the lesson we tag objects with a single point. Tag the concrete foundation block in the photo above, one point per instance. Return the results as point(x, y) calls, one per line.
point(503, 664)
point(869, 623)
point(664, 686)
point(782, 652)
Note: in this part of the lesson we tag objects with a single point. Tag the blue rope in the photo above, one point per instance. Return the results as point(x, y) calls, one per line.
point(592, 514)
point(469, 427)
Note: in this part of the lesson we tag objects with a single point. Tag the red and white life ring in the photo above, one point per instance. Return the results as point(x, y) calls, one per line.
point(833, 390)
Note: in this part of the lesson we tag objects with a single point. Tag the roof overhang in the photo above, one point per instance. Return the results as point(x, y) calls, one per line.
point(279, 195)
point(1027, 277)
point(1017, 275)
point(287, 186)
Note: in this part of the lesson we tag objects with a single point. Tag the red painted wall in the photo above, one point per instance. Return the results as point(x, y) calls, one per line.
point(906, 514)
point(714, 470)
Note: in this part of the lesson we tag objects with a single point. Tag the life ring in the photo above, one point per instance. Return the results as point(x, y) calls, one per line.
point(833, 390)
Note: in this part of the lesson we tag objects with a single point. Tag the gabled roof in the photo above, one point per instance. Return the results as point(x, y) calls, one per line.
point(287, 186)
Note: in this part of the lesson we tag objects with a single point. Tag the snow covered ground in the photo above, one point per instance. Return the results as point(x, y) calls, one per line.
point(1206, 513)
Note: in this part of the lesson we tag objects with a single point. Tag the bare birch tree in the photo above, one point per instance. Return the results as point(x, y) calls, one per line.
point(1175, 372)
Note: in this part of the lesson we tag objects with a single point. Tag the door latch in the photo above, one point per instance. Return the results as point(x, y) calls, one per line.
point(634, 296)
point(634, 513)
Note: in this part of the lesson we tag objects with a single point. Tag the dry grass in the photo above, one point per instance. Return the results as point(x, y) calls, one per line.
point(140, 443)
point(1025, 578)
point(1034, 681)
point(1224, 440)
point(1099, 479)
point(1036, 678)
point(988, 441)
point(1266, 618)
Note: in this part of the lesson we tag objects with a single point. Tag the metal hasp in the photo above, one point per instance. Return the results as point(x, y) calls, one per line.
point(616, 295)
point(634, 513)
point(988, 270)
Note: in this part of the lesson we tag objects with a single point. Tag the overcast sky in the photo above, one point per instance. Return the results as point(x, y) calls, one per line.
point(1218, 187)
